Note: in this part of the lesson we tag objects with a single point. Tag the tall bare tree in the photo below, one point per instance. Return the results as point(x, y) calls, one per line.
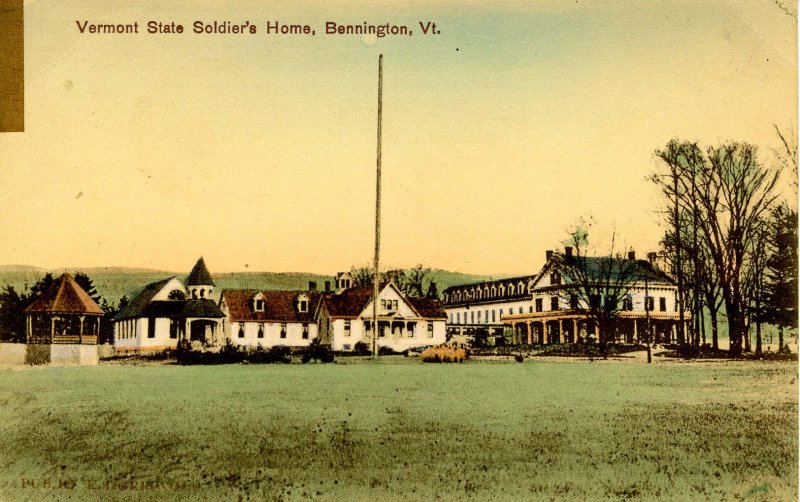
point(596, 285)
point(732, 192)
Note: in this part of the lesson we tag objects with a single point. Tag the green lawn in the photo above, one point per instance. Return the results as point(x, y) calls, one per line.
point(401, 431)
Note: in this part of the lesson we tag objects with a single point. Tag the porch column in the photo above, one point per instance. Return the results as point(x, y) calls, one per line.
point(636, 330)
point(560, 331)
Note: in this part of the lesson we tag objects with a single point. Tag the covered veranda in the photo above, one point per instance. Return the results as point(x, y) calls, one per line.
point(571, 326)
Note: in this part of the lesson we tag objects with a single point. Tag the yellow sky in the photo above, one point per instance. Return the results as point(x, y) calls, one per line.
point(258, 151)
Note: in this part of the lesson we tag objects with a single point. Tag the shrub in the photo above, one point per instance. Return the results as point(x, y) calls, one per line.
point(279, 354)
point(318, 352)
point(386, 351)
point(519, 358)
point(444, 354)
point(362, 349)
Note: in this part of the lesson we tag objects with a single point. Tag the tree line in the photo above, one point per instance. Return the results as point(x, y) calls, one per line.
point(730, 239)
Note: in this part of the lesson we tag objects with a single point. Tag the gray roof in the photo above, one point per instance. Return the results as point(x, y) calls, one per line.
point(139, 305)
point(199, 276)
point(201, 308)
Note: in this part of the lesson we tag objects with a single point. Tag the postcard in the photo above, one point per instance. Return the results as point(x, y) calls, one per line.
point(392, 250)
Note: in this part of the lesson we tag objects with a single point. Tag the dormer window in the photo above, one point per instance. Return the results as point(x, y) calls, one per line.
point(302, 303)
point(257, 302)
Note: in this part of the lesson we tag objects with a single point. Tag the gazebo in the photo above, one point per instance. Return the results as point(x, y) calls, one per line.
point(64, 314)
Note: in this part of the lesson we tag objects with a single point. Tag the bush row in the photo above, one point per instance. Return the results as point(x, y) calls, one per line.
point(233, 354)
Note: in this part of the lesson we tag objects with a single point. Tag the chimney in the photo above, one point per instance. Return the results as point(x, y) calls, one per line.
point(312, 286)
point(548, 255)
point(631, 255)
point(568, 250)
point(327, 286)
point(651, 257)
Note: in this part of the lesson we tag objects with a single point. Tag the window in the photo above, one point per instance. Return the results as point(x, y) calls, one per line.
point(430, 330)
point(367, 326)
point(485, 316)
point(258, 304)
point(539, 306)
point(493, 317)
point(302, 306)
point(594, 301)
point(662, 304)
point(241, 331)
point(650, 303)
point(283, 330)
point(573, 301)
point(305, 331)
point(173, 328)
point(458, 317)
point(611, 302)
point(627, 303)
point(347, 327)
point(530, 309)
point(501, 312)
point(451, 318)
point(261, 331)
point(554, 303)
point(410, 327)
point(472, 317)
point(389, 305)
point(520, 310)
point(555, 278)
point(479, 317)
point(151, 327)
point(176, 294)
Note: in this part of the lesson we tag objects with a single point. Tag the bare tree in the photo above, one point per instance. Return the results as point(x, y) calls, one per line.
point(596, 285)
point(732, 191)
point(415, 280)
point(362, 276)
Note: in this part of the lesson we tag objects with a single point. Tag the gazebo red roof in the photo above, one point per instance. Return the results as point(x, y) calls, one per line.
point(65, 297)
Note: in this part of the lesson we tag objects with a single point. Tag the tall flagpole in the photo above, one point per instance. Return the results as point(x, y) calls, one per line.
point(376, 274)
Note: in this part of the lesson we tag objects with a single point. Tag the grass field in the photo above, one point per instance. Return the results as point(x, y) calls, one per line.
point(401, 430)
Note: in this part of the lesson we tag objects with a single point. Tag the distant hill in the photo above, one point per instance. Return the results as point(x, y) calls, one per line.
point(114, 282)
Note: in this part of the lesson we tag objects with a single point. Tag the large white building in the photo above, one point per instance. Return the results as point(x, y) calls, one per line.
point(346, 318)
point(647, 297)
point(472, 308)
point(168, 311)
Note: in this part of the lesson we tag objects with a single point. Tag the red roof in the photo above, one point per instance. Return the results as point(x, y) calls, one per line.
point(66, 297)
point(278, 305)
point(351, 302)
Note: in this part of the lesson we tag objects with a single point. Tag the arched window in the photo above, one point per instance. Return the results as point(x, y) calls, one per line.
point(176, 294)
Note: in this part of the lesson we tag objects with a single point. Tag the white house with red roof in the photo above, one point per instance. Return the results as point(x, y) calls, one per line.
point(269, 318)
point(346, 318)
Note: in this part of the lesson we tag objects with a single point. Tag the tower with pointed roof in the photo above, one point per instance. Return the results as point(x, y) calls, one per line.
point(199, 283)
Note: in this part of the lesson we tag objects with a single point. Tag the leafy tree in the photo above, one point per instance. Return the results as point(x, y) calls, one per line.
point(87, 284)
point(782, 270)
point(12, 318)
